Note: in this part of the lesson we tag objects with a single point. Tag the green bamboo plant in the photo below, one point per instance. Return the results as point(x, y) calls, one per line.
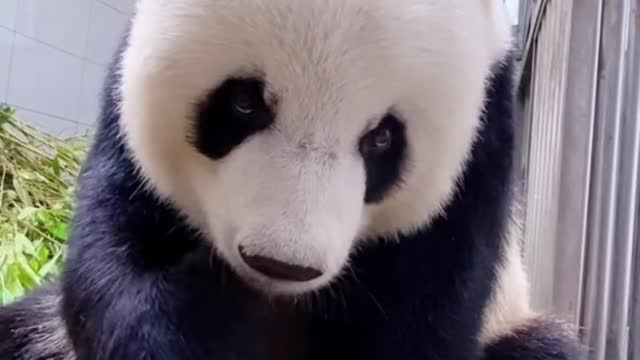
point(37, 176)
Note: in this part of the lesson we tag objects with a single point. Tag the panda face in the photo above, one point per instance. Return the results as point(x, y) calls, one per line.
point(289, 132)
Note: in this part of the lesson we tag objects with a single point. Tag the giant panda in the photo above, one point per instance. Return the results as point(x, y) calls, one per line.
point(318, 179)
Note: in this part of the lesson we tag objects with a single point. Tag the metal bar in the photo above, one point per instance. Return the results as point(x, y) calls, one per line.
point(606, 175)
point(618, 346)
point(582, 174)
point(578, 128)
point(634, 345)
point(533, 28)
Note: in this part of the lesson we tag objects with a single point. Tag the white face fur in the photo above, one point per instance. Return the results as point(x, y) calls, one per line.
point(331, 69)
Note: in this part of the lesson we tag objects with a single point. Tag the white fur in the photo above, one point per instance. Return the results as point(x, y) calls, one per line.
point(509, 308)
point(336, 67)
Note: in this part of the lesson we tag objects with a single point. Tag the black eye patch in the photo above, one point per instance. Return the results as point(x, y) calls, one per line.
point(384, 150)
point(229, 114)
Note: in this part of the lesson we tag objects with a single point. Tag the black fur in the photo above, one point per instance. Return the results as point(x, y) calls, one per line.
point(545, 340)
point(139, 284)
point(423, 298)
point(384, 170)
point(219, 127)
point(32, 328)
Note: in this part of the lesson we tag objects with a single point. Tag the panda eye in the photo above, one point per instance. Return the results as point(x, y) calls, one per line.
point(245, 101)
point(377, 141)
point(230, 114)
point(384, 151)
point(243, 105)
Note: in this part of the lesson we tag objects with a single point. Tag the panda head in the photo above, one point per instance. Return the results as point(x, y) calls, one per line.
point(289, 132)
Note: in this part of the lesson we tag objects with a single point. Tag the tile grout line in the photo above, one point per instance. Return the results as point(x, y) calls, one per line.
point(83, 56)
point(57, 117)
point(80, 108)
point(14, 38)
point(113, 7)
point(53, 47)
point(7, 28)
point(10, 66)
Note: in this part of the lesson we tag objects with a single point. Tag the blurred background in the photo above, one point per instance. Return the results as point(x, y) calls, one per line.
point(578, 159)
point(579, 165)
point(53, 58)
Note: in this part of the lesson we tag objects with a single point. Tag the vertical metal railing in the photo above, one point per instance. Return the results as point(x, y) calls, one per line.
point(581, 167)
point(547, 67)
point(612, 234)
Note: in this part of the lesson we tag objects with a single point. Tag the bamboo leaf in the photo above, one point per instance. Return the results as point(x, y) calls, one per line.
point(38, 172)
point(22, 193)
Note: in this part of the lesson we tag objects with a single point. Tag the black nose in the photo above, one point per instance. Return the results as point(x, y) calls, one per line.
point(279, 270)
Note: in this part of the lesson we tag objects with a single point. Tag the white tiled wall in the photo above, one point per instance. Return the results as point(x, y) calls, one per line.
point(54, 56)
